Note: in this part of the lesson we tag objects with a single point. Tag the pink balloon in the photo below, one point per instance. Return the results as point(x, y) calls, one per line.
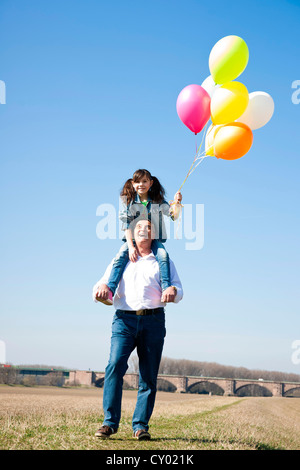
point(193, 107)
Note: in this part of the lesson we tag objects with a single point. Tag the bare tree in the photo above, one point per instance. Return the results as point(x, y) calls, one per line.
point(8, 375)
point(187, 367)
point(133, 364)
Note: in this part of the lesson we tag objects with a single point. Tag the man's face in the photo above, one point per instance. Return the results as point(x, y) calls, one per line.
point(142, 231)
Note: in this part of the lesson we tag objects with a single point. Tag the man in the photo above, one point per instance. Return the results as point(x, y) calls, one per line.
point(139, 322)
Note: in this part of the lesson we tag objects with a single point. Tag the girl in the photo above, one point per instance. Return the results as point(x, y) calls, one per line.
point(143, 196)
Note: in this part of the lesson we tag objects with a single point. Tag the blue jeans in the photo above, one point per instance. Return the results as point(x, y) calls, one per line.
point(130, 331)
point(122, 259)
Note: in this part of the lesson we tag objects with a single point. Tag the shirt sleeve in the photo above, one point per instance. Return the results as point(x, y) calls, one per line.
point(124, 215)
point(175, 281)
point(128, 213)
point(103, 280)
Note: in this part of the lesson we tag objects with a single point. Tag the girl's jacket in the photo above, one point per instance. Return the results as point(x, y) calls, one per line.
point(152, 211)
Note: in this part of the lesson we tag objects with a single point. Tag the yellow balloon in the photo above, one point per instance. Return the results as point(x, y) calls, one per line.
point(210, 138)
point(229, 102)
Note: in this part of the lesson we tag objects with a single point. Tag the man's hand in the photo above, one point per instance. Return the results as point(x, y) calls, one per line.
point(102, 292)
point(133, 254)
point(168, 295)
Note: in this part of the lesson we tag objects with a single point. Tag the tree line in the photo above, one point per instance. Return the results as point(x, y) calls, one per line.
point(168, 366)
point(12, 376)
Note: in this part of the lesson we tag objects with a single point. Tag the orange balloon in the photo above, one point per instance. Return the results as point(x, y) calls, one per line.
point(232, 141)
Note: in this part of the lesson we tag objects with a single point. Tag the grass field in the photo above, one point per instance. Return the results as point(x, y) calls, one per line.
point(43, 418)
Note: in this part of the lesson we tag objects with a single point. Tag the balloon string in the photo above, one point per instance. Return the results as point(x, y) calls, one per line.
point(179, 205)
point(195, 158)
point(179, 219)
point(200, 161)
point(210, 129)
point(198, 157)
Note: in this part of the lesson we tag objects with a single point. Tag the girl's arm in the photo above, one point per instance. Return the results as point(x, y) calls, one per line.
point(176, 207)
point(133, 254)
point(126, 218)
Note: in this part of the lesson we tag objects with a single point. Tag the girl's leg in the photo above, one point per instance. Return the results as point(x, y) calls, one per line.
point(162, 258)
point(120, 262)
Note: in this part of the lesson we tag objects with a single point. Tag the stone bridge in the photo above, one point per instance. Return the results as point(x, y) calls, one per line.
point(185, 384)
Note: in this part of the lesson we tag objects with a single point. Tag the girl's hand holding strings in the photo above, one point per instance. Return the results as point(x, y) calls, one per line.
point(178, 197)
point(176, 205)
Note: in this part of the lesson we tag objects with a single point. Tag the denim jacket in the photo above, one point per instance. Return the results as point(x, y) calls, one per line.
point(153, 211)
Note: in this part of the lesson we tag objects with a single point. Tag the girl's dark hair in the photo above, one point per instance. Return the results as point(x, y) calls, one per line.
point(156, 192)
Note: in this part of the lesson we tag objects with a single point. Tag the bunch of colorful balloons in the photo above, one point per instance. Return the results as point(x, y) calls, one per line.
point(233, 111)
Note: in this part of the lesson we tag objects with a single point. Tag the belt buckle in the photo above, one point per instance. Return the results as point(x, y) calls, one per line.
point(140, 312)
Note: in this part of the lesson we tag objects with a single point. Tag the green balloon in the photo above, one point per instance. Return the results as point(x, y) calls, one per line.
point(228, 59)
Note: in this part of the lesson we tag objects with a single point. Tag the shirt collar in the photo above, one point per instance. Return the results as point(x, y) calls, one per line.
point(151, 255)
point(138, 199)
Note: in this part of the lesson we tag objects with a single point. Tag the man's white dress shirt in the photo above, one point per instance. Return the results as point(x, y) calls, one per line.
point(139, 287)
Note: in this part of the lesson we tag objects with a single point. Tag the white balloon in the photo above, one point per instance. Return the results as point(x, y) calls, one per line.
point(209, 85)
point(259, 111)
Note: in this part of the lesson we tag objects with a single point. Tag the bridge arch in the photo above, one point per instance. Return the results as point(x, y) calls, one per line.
point(292, 392)
point(184, 384)
point(165, 385)
point(127, 385)
point(205, 387)
point(99, 382)
point(253, 390)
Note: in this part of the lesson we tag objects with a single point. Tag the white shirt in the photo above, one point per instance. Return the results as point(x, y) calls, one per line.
point(139, 287)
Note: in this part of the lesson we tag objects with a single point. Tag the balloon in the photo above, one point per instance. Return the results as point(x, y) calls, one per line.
point(209, 85)
point(232, 141)
point(193, 107)
point(209, 139)
point(229, 102)
point(228, 59)
point(259, 111)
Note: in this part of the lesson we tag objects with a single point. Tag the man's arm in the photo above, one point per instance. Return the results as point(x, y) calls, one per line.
point(171, 294)
point(103, 281)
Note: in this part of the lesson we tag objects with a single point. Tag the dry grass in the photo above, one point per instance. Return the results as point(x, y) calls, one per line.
point(61, 418)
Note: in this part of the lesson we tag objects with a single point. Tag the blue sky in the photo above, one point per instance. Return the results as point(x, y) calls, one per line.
point(91, 90)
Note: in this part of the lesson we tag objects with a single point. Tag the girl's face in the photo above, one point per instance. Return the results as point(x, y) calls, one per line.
point(142, 186)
